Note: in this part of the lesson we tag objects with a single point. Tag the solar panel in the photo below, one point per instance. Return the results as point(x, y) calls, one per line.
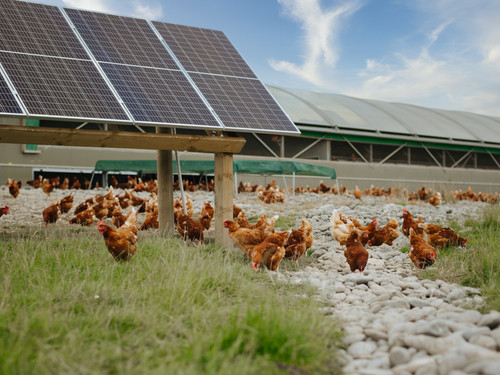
point(204, 50)
point(8, 103)
point(243, 104)
point(60, 87)
point(37, 29)
point(159, 96)
point(122, 40)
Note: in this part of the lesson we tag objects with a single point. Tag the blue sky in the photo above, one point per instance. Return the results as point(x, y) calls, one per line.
point(434, 53)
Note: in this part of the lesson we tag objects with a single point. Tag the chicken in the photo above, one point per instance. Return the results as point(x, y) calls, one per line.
point(151, 220)
point(409, 222)
point(4, 211)
point(236, 211)
point(207, 214)
point(48, 186)
point(436, 199)
point(269, 252)
point(178, 207)
point(189, 228)
point(52, 213)
point(244, 238)
point(36, 183)
point(387, 234)
point(440, 237)
point(121, 242)
point(341, 227)
point(14, 187)
point(299, 240)
point(85, 217)
point(421, 254)
point(76, 183)
point(66, 203)
point(357, 193)
point(65, 184)
point(84, 205)
point(355, 253)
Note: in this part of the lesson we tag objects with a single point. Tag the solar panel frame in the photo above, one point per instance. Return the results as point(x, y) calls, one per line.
point(54, 87)
point(8, 101)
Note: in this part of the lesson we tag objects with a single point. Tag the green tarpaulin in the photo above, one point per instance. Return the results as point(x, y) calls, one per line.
point(271, 167)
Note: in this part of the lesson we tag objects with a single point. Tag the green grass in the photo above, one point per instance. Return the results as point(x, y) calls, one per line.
point(67, 307)
point(477, 264)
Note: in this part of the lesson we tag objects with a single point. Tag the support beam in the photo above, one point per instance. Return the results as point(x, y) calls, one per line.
point(462, 158)
point(308, 147)
point(494, 159)
point(117, 139)
point(165, 181)
point(432, 156)
point(356, 150)
point(223, 196)
point(390, 155)
point(265, 145)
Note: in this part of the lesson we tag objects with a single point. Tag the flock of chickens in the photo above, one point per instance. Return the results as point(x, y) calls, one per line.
point(425, 238)
point(263, 246)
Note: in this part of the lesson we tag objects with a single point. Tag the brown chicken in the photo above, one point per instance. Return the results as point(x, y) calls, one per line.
point(189, 228)
point(357, 193)
point(48, 186)
point(421, 254)
point(36, 183)
point(76, 183)
point(436, 199)
point(236, 211)
point(299, 240)
point(121, 242)
point(207, 214)
point(387, 234)
point(52, 213)
point(151, 220)
point(409, 222)
point(244, 238)
point(269, 252)
point(66, 203)
point(64, 185)
point(14, 187)
point(355, 253)
point(440, 237)
point(4, 211)
point(85, 217)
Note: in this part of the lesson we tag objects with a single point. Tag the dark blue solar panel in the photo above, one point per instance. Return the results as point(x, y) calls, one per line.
point(59, 87)
point(121, 40)
point(204, 50)
point(159, 96)
point(243, 104)
point(8, 104)
point(38, 29)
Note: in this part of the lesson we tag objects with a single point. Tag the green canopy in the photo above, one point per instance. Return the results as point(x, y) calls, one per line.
point(268, 167)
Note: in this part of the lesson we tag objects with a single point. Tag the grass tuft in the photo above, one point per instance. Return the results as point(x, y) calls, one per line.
point(477, 264)
point(67, 307)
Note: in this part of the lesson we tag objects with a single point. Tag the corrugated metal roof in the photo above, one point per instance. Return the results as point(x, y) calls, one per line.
point(339, 111)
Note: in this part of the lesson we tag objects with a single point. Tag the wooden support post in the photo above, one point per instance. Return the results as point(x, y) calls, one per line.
point(223, 196)
point(165, 189)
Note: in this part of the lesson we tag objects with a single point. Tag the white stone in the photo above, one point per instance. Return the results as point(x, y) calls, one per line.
point(485, 341)
point(491, 320)
point(362, 349)
point(399, 356)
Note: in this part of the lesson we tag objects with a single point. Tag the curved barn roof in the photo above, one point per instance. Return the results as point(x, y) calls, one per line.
point(340, 113)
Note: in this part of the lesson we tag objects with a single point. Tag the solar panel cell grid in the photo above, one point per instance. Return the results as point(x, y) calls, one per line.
point(121, 40)
point(204, 50)
point(8, 104)
point(38, 29)
point(61, 87)
point(243, 103)
point(159, 96)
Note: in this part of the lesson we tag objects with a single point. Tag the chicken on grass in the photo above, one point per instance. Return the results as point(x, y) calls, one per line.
point(121, 242)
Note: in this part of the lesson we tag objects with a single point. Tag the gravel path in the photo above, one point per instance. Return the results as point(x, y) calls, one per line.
point(394, 322)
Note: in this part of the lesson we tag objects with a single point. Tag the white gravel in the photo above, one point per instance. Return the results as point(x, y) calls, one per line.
point(394, 323)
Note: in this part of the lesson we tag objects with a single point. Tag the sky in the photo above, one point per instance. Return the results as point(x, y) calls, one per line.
point(433, 53)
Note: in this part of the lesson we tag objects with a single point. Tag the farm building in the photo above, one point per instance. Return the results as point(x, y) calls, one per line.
point(366, 141)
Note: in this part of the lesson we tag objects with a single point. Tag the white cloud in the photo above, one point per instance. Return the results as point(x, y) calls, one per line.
point(320, 38)
point(97, 5)
point(150, 12)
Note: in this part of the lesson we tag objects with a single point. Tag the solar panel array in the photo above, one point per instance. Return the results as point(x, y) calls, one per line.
point(74, 64)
